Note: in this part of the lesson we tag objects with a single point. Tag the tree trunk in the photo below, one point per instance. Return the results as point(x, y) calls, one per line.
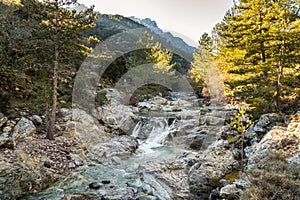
point(262, 47)
point(279, 87)
point(50, 134)
point(279, 76)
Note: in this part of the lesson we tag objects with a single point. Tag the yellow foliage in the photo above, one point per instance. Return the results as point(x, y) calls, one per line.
point(240, 122)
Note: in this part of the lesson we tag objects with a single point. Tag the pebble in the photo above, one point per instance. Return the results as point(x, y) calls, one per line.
point(106, 182)
point(95, 185)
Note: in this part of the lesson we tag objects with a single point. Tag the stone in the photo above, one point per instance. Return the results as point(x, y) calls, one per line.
point(215, 163)
point(95, 185)
point(294, 126)
point(106, 182)
point(71, 165)
point(24, 130)
point(197, 142)
point(81, 196)
point(87, 128)
point(229, 192)
point(8, 143)
point(295, 159)
point(266, 122)
point(120, 146)
point(36, 119)
point(47, 164)
point(118, 117)
point(6, 131)
point(24, 178)
point(3, 120)
point(242, 184)
point(278, 140)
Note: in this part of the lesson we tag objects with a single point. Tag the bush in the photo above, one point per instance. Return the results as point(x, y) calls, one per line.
point(276, 180)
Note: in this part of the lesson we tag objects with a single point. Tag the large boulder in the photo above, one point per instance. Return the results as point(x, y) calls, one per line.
point(20, 179)
point(167, 179)
point(285, 142)
point(76, 123)
point(118, 117)
point(216, 162)
point(117, 148)
point(266, 122)
point(24, 130)
point(36, 119)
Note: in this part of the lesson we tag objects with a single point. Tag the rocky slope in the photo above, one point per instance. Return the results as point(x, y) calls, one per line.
point(163, 148)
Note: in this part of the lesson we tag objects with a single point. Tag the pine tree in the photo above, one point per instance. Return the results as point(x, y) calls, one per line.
point(59, 31)
point(257, 41)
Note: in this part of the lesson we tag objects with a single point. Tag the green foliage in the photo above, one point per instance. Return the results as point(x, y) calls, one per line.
point(4, 102)
point(277, 179)
point(258, 53)
point(202, 61)
point(27, 40)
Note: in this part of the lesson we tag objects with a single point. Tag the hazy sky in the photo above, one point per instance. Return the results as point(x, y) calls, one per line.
point(188, 18)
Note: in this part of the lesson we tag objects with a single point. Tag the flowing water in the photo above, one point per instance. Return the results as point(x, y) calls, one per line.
point(128, 177)
point(125, 176)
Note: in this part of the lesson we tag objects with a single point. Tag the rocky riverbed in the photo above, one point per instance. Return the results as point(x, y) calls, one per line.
point(163, 148)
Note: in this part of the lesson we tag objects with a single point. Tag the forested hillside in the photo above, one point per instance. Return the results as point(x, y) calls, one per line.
point(256, 47)
point(28, 39)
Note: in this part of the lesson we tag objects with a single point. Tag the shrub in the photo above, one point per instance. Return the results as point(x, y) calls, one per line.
point(277, 179)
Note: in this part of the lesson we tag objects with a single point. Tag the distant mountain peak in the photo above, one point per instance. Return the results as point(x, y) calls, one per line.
point(176, 41)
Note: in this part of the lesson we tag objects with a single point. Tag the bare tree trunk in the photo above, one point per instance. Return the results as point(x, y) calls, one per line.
point(262, 48)
point(279, 86)
point(50, 134)
point(279, 77)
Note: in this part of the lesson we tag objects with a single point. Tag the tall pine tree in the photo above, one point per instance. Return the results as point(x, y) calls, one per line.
point(59, 31)
point(258, 50)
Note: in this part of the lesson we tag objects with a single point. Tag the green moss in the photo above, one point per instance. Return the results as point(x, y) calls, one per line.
point(232, 176)
point(232, 139)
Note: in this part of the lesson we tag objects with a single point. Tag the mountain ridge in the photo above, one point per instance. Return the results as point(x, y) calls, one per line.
point(174, 40)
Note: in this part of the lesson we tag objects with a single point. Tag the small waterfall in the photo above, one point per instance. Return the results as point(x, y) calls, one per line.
point(156, 128)
point(160, 130)
point(137, 129)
